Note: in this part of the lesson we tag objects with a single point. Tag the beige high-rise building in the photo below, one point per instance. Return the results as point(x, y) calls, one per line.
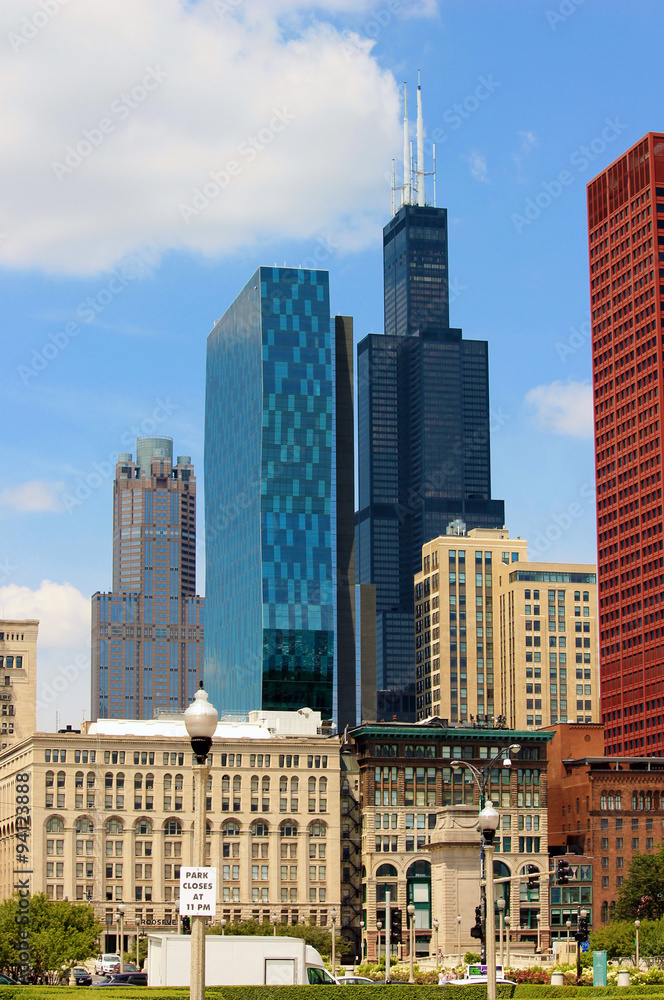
point(498, 637)
point(112, 816)
point(18, 680)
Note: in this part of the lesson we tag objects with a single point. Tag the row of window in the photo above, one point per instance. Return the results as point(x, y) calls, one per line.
point(171, 759)
point(173, 828)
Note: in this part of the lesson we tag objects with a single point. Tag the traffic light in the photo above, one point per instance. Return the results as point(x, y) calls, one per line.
point(563, 871)
point(582, 930)
point(476, 931)
point(395, 927)
point(186, 925)
point(533, 876)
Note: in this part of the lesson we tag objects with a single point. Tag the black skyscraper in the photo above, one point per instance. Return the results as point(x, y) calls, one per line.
point(423, 437)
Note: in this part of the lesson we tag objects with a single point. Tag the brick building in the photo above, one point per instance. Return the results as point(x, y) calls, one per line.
point(602, 811)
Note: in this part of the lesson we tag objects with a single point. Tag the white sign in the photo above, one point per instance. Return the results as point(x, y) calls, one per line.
point(198, 892)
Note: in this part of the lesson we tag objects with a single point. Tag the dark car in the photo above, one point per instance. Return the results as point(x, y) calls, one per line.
point(82, 976)
point(7, 981)
point(124, 979)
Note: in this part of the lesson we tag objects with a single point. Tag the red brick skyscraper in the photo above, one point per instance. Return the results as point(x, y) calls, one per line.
point(626, 245)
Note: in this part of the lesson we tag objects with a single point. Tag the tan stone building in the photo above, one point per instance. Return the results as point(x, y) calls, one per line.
point(18, 680)
point(112, 816)
point(497, 636)
point(419, 830)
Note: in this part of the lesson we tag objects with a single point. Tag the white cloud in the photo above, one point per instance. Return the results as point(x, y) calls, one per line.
point(563, 408)
point(63, 647)
point(36, 495)
point(527, 142)
point(478, 166)
point(141, 100)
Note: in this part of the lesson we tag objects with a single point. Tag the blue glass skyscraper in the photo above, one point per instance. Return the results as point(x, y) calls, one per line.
point(275, 590)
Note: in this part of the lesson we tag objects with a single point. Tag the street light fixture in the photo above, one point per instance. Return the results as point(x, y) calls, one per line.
point(411, 919)
point(637, 924)
point(501, 909)
point(379, 925)
point(568, 924)
point(333, 916)
point(508, 941)
point(434, 924)
point(223, 925)
point(275, 920)
point(361, 941)
point(121, 913)
point(488, 823)
point(200, 720)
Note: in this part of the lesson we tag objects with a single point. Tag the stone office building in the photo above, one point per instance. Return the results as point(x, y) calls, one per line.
point(112, 817)
point(419, 829)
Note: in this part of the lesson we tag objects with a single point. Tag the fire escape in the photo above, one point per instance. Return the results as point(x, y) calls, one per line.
point(351, 852)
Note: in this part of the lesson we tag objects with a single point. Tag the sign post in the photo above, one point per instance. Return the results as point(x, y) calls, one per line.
point(198, 891)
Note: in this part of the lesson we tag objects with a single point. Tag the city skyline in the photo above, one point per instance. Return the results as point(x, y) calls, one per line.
point(104, 305)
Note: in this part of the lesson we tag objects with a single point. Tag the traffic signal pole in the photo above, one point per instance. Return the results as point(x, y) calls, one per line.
point(388, 935)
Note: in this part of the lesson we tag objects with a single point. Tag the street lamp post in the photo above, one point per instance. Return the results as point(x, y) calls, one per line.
point(361, 941)
point(481, 776)
point(275, 920)
point(501, 909)
point(488, 821)
point(333, 915)
point(637, 924)
point(121, 913)
point(138, 935)
point(458, 939)
point(568, 924)
point(508, 938)
point(411, 921)
point(379, 925)
point(200, 720)
point(434, 924)
point(539, 932)
point(223, 926)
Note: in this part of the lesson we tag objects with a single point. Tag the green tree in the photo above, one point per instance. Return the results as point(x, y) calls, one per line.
point(61, 934)
point(642, 892)
point(616, 939)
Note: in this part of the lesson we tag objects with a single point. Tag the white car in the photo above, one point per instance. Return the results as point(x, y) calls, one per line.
point(107, 963)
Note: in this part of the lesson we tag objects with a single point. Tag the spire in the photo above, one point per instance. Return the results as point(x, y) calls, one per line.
point(406, 151)
point(419, 184)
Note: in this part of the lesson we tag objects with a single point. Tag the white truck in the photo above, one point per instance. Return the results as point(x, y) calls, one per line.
point(237, 961)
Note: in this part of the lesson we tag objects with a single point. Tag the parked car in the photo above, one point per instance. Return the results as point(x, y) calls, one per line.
point(82, 976)
point(124, 979)
point(107, 963)
point(354, 981)
point(8, 981)
point(130, 967)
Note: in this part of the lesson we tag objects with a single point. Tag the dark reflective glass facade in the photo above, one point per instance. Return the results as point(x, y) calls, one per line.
point(423, 439)
point(270, 497)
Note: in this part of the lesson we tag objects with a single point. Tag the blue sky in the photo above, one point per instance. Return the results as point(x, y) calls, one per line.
point(113, 270)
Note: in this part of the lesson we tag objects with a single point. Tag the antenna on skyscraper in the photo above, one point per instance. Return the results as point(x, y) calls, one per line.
point(434, 175)
point(420, 145)
point(394, 181)
point(406, 150)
